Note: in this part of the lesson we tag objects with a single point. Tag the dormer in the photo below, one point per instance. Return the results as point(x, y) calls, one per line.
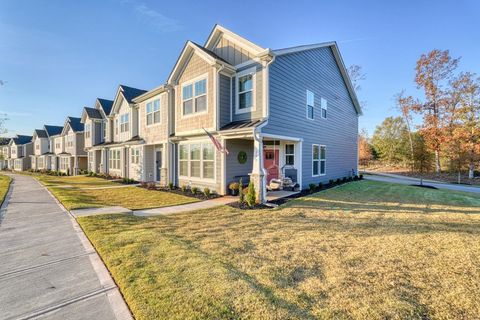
point(94, 126)
point(124, 114)
point(52, 133)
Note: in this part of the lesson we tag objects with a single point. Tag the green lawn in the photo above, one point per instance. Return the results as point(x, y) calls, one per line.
point(85, 192)
point(365, 250)
point(4, 184)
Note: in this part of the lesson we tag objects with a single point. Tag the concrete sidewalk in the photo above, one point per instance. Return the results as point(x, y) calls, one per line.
point(186, 207)
point(48, 268)
point(394, 178)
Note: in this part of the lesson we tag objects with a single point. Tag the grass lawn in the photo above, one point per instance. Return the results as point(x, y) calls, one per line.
point(4, 184)
point(365, 250)
point(73, 193)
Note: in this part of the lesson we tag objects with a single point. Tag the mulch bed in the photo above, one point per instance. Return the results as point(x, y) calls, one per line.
point(199, 195)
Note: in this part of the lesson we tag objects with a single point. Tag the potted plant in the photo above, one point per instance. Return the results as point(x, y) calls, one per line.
point(234, 186)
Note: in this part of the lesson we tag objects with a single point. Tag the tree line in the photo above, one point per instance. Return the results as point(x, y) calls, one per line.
point(448, 137)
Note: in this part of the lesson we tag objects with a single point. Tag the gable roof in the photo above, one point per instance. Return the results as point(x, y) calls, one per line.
point(131, 93)
point(4, 141)
point(52, 130)
point(92, 113)
point(39, 133)
point(338, 58)
point(74, 123)
point(106, 105)
point(219, 31)
point(21, 139)
point(187, 52)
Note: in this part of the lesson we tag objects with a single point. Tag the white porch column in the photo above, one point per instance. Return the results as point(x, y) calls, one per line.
point(258, 172)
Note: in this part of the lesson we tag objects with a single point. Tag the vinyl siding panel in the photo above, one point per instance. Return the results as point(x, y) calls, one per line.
point(231, 52)
point(316, 70)
point(235, 168)
point(225, 96)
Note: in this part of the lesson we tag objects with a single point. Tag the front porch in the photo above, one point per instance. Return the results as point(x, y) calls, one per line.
point(272, 163)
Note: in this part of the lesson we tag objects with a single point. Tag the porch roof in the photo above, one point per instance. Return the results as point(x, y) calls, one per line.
point(241, 124)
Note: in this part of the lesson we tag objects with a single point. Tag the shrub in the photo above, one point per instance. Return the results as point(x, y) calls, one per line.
point(234, 185)
point(338, 181)
point(355, 178)
point(350, 178)
point(240, 187)
point(320, 186)
point(312, 187)
point(184, 188)
point(194, 190)
point(151, 186)
point(344, 179)
point(251, 196)
point(361, 177)
point(331, 182)
point(206, 192)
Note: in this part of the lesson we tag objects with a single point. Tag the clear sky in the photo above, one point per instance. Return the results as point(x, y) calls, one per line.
point(57, 56)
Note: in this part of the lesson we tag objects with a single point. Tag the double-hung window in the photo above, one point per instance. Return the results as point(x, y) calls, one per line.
point(318, 160)
point(87, 131)
point(124, 124)
point(244, 85)
point(310, 104)
point(104, 125)
point(197, 160)
point(70, 140)
point(135, 155)
point(153, 112)
point(114, 159)
point(194, 97)
point(289, 154)
point(323, 104)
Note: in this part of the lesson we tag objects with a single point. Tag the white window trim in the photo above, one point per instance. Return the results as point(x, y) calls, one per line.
point(135, 155)
point(320, 160)
point(124, 126)
point(152, 101)
point(323, 107)
point(307, 105)
point(285, 154)
point(198, 179)
point(253, 72)
point(192, 82)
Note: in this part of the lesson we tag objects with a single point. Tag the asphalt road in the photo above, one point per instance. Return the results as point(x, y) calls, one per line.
point(45, 270)
point(386, 177)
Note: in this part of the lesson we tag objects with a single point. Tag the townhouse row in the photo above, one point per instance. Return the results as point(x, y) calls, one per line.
point(229, 109)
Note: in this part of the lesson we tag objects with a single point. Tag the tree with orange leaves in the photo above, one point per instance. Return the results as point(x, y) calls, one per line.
point(434, 70)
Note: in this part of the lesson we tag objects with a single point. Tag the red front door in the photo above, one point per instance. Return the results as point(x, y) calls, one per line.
point(270, 162)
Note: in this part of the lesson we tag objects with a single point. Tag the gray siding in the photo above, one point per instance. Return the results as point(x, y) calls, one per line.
point(233, 167)
point(316, 70)
point(225, 95)
point(97, 137)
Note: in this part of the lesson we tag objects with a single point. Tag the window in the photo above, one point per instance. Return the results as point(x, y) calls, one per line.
point(37, 146)
point(64, 163)
point(197, 160)
point(40, 163)
point(194, 97)
point(289, 154)
point(153, 112)
point(318, 160)
point(114, 159)
point(104, 124)
point(87, 131)
point(323, 105)
point(135, 155)
point(124, 125)
point(90, 161)
point(116, 126)
point(310, 104)
point(244, 85)
point(70, 140)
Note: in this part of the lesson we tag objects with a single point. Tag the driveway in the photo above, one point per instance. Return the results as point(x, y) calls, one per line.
point(394, 178)
point(48, 269)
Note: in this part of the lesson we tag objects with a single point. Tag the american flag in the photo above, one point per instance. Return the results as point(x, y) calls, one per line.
point(216, 143)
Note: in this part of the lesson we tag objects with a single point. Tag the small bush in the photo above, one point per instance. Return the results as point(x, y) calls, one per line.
point(355, 178)
point(251, 196)
point(312, 187)
point(350, 178)
point(170, 185)
point(194, 190)
point(320, 186)
point(338, 181)
point(344, 179)
point(206, 192)
point(331, 182)
point(151, 186)
point(241, 194)
point(184, 188)
point(361, 177)
point(234, 185)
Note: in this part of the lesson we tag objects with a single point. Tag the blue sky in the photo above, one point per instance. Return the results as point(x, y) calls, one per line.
point(57, 56)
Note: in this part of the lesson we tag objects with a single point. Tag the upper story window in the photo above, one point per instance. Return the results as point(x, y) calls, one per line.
point(104, 124)
point(310, 104)
point(124, 122)
point(153, 112)
point(245, 96)
point(194, 97)
point(87, 131)
point(70, 140)
point(37, 146)
point(323, 105)
point(318, 160)
point(116, 126)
